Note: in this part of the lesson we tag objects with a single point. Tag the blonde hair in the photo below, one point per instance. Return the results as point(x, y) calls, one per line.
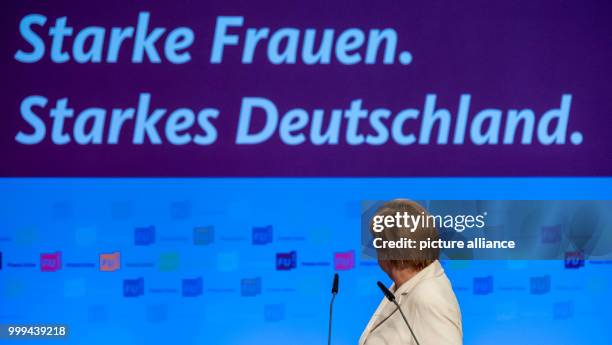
point(404, 257)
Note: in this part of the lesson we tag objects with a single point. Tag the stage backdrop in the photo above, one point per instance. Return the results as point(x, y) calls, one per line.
point(192, 171)
point(314, 88)
point(251, 261)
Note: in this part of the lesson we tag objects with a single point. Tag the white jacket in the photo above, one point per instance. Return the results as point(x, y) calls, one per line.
point(430, 305)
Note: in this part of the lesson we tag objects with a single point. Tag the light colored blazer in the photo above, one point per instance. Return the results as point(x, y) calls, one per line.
point(430, 305)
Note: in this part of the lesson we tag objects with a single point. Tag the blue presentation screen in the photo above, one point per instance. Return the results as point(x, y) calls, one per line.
point(210, 271)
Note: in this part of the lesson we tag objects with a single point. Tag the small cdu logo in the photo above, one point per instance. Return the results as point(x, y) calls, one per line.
point(539, 285)
point(262, 235)
point(344, 260)
point(192, 287)
point(574, 260)
point(483, 285)
point(169, 261)
point(144, 236)
point(110, 262)
point(203, 235)
point(50, 262)
point(133, 287)
point(286, 261)
point(250, 287)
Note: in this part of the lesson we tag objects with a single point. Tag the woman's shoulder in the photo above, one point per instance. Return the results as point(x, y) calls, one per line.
point(431, 291)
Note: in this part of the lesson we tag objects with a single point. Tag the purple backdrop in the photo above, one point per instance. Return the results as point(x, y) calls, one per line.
point(505, 54)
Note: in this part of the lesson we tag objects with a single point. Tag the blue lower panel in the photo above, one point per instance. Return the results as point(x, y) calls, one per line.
point(190, 273)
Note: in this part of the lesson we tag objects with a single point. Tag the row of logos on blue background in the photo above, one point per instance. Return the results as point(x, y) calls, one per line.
point(191, 287)
point(146, 236)
point(250, 287)
point(264, 235)
point(170, 261)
